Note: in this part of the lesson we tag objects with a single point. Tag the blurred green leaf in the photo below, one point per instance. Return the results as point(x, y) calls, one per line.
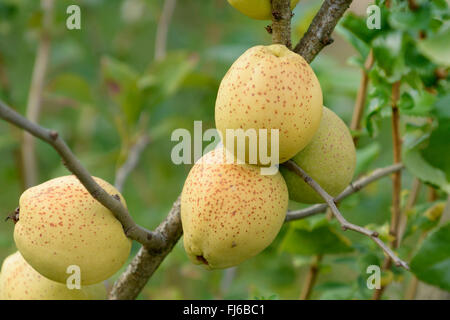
point(314, 236)
point(335, 291)
point(361, 46)
point(404, 19)
point(437, 152)
point(442, 106)
point(164, 78)
point(437, 47)
point(423, 217)
point(416, 103)
point(365, 157)
point(357, 26)
point(415, 163)
point(389, 54)
point(71, 86)
point(431, 263)
point(121, 81)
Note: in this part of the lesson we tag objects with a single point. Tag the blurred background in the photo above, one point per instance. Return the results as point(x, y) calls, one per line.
point(142, 68)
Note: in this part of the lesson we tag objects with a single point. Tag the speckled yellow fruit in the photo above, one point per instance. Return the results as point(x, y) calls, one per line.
point(230, 212)
point(257, 9)
point(330, 159)
point(19, 281)
point(61, 224)
point(271, 87)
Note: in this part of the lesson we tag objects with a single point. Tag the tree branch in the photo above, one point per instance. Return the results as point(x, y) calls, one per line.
point(396, 182)
point(148, 238)
point(319, 32)
point(311, 278)
point(351, 189)
point(145, 263)
point(281, 22)
point(291, 165)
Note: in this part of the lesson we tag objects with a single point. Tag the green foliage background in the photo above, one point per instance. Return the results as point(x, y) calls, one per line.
point(103, 88)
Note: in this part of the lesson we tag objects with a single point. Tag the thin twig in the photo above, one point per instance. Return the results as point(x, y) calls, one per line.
point(396, 179)
point(29, 161)
point(281, 22)
point(319, 32)
point(132, 160)
point(145, 263)
point(358, 109)
point(163, 29)
point(291, 165)
point(151, 240)
point(351, 189)
point(396, 182)
point(311, 278)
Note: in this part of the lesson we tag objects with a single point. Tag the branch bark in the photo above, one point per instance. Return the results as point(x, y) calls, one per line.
point(319, 32)
point(151, 240)
point(291, 165)
point(145, 263)
point(396, 182)
point(281, 22)
point(28, 153)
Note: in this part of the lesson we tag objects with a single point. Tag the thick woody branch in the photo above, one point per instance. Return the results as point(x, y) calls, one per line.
point(281, 22)
point(319, 32)
point(291, 165)
point(150, 239)
point(145, 263)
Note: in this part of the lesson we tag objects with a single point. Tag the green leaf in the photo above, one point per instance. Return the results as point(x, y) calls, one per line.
point(442, 106)
point(70, 86)
point(365, 156)
point(423, 217)
point(437, 47)
point(422, 169)
point(411, 20)
point(121, 80)
point(389, 54)
point(165, 77)
point(315, 236)
point(431, 263)
point(361, 46)
point(417, 103)
point(437, 152)
point(335, 291)
point(358, 27)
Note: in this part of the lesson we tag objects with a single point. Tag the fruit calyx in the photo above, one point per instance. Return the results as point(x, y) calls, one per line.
point(14, 216)
point(202, 260)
